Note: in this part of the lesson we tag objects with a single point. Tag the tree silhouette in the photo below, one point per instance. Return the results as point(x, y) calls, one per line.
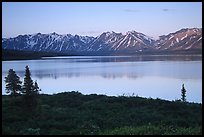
point(183, 94)
point(36, 88)
point(30, 91)
point(13, 83)
point(28, 82)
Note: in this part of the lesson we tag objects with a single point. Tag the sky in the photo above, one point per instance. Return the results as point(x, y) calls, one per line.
point(93, 18)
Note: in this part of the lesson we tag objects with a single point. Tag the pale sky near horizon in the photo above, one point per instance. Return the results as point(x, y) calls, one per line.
point(93, 18)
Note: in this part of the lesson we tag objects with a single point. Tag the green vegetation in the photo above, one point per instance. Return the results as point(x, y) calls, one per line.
point(72, 113)
point(154, 130)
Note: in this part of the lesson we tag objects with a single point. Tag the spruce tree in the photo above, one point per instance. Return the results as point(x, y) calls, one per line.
point(28, 82)
point(36, 88)
point(183, 94)
point(13, 83)
point(29, 90)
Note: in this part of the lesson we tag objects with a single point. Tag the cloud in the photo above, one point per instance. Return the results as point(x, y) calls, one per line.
point(130, 10)
point(166, 10)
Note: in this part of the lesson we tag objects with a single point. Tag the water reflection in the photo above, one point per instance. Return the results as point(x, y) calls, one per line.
point(144, 75)
point(133, 70)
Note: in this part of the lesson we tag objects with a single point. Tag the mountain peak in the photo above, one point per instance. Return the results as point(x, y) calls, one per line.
point(54, 33)
point(183, 39)
point(107, 42)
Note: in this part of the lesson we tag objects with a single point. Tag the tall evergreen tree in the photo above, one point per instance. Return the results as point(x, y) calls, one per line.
point(28, 82)
point(28, 89)
point(13, 83)
point(183, 94)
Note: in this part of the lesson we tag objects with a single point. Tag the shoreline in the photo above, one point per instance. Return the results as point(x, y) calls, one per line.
point(145, 55)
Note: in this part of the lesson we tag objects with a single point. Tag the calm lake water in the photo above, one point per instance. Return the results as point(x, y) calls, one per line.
point(145, 76)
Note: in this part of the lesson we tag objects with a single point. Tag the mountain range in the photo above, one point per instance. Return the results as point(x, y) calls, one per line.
point(108, 43)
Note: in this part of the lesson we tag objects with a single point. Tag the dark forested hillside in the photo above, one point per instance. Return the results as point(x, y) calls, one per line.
point(18, 55)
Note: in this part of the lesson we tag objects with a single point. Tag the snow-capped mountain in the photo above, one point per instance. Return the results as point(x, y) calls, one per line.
point(108, 42)
point(47, 42)
point(183, 39)
point(132, 41)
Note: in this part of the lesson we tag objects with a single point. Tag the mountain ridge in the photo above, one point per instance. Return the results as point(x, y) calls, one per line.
point(132, 42)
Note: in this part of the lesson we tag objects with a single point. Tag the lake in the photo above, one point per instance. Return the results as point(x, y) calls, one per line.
point(145, 76)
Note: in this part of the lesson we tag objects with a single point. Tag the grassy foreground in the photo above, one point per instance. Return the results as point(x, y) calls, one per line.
point(72, 113)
